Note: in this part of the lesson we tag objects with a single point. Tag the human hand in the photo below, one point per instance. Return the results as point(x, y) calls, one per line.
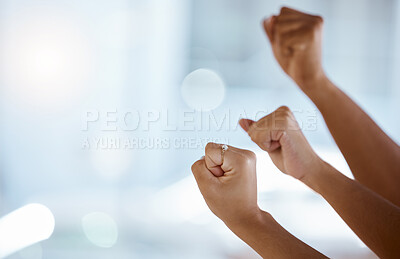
point(279, 134)
point(296, 40)
point(228, 183)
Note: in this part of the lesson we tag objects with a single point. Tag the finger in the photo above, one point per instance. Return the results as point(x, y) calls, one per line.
point(253, 127)
point(261, 135)
point(266, 132)
point(213, 159)
point(294, 18)
point(295, 39)
point(269, 26)
point(246, 124)
point(274, 146)
point(218, 165)
point(267, 139)
point(285, 27)
point(286, 10)
point(261, 138)
point(201, 173)
point(276, 140)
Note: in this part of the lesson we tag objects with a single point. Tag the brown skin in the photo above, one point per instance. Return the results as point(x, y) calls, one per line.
point(237, 185)
point(229, 188)
point(279, 134)
point(373, 157)
point(375, 220)
point(296, 40)
point(233, 198)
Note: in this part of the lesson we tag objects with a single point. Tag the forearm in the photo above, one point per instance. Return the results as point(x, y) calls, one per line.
point(375, 220)
point(366, 148)
point(270, 240)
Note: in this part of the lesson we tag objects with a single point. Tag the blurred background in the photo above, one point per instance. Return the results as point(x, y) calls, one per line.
point(104, 106)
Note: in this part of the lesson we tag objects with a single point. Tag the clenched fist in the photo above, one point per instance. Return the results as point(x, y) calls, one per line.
point(279, 134)
point(296, 40)
point(227, 180)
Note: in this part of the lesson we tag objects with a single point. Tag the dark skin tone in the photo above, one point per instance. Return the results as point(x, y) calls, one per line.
point(369, 204)
point(372, 156)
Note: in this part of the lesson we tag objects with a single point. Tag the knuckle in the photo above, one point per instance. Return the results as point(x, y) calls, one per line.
point(251, 156)
point(284, 9)
point(283, 108)
point(209, 146)
point(248, 158)
point(319, 19)
point(195, 166)
point(283, 116)
point(284, 111)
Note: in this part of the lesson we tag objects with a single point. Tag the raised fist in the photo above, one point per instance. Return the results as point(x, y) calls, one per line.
point(280, 135)
point(296, 40)
point(228, 183)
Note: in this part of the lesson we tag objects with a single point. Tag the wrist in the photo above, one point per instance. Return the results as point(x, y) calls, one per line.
point(313, 83)
point(316, 175)
point(252, 218)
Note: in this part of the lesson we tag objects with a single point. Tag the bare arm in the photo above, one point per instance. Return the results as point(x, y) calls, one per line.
point(271, 240)
point(372, 156)
point(375, 220)
point(229, 188)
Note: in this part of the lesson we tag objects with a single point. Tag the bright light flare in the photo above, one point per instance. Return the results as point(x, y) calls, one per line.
point(25, 226)
point(46, 58)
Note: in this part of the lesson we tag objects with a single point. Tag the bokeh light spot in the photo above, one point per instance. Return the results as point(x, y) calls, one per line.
point(203, 90)
point(25, 226)
point(100, 229)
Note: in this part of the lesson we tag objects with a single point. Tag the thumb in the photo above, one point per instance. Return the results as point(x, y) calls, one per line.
point(268, 27)
point(246, 124)
point(201, 172)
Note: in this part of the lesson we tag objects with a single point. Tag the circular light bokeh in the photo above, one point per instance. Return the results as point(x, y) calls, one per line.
point(203, 90)
point(100, 229)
